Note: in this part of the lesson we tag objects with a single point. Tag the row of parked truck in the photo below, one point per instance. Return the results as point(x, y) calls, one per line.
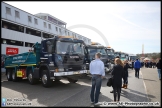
point(54, 59)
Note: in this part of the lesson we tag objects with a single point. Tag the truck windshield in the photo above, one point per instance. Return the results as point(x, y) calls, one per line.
point(117, 54)
point(110, 52)
point(93, 51)
point(69, 47)
point(133, 57)
point(123, 56)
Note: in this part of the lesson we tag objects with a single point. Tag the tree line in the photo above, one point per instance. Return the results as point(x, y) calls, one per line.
point(150, 55)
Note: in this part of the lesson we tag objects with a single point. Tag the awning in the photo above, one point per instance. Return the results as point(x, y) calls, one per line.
point(147, 59)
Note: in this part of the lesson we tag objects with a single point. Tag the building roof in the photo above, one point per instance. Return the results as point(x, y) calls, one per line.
point(46, 14)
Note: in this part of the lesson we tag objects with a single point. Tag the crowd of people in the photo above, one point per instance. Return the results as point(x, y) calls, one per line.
point(119, 72)
point(150, 64)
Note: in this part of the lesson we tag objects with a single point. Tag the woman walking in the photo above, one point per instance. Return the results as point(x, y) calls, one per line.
point(125, 76)
point(117, 74)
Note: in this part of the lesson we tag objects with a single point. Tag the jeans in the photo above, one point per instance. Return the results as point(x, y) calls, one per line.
point(137, 72)
point(95, 90)
point(159, 73)
point(118, 89)
point(125, 80)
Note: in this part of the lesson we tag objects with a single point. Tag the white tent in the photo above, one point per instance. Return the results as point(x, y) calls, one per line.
point(147, 59)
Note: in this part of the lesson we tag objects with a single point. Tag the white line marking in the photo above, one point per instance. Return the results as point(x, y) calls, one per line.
point(144, 86)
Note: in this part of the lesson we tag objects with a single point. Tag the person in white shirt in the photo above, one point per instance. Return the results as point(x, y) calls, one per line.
point(98, 72)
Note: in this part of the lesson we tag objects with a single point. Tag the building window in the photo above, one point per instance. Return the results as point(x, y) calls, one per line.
point(12, 26)
point(45, 25)
point(45, 35)
point(52, 20)
point(33, 32)
point(29, 19)
point(49, 26)
point(4, 41)
point(8, 10)
point(12, 42)
point(74, 35)
point(36, 21)
point(65, 33)
point(27, 44)
point(60, 30)
point(17, 14)
point(56, 29)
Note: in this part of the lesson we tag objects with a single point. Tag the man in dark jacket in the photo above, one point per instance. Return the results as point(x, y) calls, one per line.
point(154, 64)
point(137, 66)
point(145, 64)
point(132, 64)
point(150, 64)
point(158, 65)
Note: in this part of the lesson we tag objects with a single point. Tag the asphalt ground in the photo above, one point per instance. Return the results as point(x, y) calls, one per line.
point(145, 89)
point(152, 83)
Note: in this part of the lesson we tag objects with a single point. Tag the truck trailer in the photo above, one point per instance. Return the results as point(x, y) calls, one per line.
point(52, 59)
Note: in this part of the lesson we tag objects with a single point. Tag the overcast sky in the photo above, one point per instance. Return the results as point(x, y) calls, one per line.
point(126, 25)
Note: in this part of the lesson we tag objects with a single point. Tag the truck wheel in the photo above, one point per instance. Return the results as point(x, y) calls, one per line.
point(72, 80)
point(31, 80)
point(9, 75)
point(46, 81)
point(14, 77)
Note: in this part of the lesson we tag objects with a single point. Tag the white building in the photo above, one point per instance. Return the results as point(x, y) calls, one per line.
point(20, 29)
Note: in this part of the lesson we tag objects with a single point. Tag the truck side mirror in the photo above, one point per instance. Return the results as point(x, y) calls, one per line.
point(49, 47)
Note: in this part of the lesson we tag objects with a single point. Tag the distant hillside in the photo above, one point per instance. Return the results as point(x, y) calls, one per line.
point(150, 55)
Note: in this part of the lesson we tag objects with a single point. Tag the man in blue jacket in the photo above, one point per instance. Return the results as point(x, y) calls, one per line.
point(137, 66)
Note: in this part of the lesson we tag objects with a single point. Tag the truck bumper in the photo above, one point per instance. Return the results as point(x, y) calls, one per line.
point(70, 73)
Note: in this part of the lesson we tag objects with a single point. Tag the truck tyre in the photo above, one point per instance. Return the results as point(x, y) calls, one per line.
point(72, 80)
point(46, 81)
point(31, 80)
point(14, 77)
point(9, 75)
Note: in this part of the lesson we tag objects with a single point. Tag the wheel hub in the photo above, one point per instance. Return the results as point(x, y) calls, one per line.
point(13, 75)
point(44, 79)
point(30, 77)
point(8, 75)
